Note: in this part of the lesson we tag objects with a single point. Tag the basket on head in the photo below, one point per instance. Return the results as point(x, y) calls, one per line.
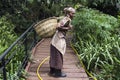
point(47, 27)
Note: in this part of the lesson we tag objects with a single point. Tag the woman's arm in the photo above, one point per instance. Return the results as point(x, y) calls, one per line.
point(64, 27)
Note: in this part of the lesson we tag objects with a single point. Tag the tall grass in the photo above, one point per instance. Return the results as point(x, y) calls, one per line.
point(98, 43)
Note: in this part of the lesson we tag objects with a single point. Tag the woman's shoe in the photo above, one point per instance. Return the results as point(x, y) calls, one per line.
point(52, 71)
point(58, 73)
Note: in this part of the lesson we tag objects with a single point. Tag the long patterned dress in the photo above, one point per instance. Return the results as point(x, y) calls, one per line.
point(58, 44)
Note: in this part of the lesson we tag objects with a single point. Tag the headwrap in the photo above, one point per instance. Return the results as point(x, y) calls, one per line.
point(69, 9)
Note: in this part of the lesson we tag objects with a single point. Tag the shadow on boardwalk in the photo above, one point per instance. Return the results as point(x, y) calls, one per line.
point(71, 65)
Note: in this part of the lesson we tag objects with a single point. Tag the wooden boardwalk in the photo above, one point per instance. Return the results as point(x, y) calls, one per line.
point(71, 65)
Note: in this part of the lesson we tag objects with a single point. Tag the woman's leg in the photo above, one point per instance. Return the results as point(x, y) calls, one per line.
point(56, 62)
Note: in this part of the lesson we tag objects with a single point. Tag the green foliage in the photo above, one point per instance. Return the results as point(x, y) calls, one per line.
point(98, 43)
point(118, 16)
point(96, 24)
point(107, 6)
point(24, 12)
point(7, 35)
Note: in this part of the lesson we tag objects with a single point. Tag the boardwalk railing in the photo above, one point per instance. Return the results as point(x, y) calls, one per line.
point(15, 58)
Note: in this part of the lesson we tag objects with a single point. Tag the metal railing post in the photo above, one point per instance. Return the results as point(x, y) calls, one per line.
point(4, 69)
point(25, 44)
point(35, 39)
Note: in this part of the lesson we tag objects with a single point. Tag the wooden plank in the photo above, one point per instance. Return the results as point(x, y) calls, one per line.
point(71, 65)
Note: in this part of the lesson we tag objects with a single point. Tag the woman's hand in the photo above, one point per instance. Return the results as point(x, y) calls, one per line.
point(63, 28)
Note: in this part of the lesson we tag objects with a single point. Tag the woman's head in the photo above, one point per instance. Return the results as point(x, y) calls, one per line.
point(69, 11)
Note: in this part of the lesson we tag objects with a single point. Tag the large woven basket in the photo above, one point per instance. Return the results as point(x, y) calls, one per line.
point(47, 27)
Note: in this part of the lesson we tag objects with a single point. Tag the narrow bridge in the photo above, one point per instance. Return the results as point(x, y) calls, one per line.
point(71, 65)
point(14, 60)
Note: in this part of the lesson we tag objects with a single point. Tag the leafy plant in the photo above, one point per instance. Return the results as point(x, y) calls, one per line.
point(107, 6)
point(7, 34)
point(97, 41)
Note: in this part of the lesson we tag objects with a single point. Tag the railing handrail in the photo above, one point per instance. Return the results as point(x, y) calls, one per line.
point(12, 45)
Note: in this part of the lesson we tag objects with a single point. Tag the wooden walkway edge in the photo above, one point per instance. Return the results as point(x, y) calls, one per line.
point(71, 64)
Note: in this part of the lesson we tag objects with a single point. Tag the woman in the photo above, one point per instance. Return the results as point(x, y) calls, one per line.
point(58, 44)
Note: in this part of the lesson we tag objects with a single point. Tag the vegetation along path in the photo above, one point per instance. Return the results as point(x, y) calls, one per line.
point(71, 65)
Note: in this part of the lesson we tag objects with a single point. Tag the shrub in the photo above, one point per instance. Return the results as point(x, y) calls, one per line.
point(7, 34)
point(98, 43)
